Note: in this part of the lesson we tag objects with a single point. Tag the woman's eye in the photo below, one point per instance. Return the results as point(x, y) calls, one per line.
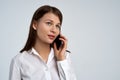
point(49, 23)
point(58, 26)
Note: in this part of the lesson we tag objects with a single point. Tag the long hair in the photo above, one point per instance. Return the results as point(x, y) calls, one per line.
point(39, 13)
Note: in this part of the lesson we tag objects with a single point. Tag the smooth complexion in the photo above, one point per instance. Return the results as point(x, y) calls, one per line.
point(48, 28)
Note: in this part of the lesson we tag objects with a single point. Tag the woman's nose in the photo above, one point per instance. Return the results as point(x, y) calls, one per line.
point(53, 29)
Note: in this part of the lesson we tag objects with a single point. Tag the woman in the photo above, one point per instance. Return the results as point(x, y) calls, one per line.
point(41, 59)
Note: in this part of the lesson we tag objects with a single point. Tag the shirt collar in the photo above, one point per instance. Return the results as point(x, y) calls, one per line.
point(50, 57)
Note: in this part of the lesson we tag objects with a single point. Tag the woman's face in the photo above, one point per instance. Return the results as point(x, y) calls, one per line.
point(48, 28)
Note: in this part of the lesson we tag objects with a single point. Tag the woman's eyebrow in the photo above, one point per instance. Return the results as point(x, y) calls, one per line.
point(49, 20)
point(52, 21)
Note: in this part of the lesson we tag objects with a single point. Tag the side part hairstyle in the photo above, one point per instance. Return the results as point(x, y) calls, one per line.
point(39, 13)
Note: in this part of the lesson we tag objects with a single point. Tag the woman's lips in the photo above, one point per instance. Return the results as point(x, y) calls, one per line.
point(51, 36)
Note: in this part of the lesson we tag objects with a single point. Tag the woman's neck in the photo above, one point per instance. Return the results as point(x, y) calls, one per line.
point(43, 49)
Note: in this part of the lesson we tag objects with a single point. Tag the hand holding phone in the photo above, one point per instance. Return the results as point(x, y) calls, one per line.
point(60, 46)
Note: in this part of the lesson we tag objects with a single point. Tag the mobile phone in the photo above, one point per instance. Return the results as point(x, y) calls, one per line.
point(58, 42)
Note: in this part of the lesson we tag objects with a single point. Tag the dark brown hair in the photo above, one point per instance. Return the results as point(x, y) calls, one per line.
point(39, 13)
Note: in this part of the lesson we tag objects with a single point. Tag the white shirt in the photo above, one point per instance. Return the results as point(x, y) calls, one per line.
point(30, 66)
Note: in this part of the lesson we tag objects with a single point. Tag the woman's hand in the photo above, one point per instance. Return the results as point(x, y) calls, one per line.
point(60, 54)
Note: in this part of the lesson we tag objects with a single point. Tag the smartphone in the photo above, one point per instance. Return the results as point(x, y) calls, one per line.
point(58, 42)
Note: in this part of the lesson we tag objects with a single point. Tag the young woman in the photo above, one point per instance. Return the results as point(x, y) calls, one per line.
point(41, 59)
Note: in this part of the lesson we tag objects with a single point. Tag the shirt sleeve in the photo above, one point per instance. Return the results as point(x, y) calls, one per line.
point(65, 69)
point(14, 73)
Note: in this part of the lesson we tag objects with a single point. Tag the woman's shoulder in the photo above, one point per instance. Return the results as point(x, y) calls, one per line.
point(18, 58)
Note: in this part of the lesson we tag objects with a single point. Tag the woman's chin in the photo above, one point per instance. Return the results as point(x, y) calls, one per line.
point(50, 42)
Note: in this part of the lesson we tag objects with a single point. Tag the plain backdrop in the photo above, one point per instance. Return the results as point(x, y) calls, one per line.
point(91, 26)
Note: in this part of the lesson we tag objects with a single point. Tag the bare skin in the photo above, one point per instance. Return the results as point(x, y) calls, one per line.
point(48, 28)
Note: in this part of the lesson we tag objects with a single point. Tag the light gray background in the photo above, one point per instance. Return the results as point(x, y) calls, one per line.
point(91, 26)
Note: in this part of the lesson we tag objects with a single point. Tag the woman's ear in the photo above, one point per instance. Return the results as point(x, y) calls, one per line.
point(34, 25)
